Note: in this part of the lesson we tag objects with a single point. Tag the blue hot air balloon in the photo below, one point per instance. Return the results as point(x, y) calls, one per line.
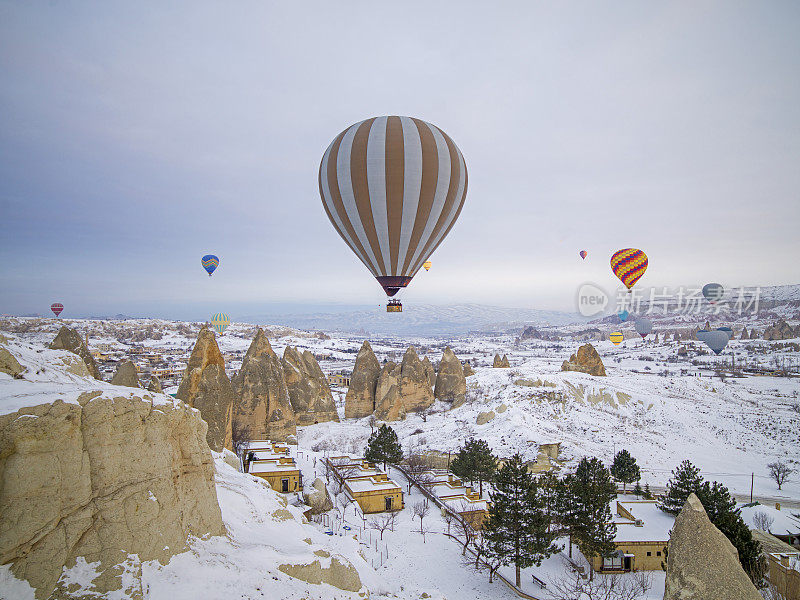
point(716, 340)
point(210, 263)
point(623, 315)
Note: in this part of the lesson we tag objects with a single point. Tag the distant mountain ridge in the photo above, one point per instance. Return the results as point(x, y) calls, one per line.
point(421, 319)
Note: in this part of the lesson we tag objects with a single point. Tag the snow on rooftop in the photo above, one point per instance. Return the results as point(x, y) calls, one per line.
point(784, 522)
point(656, 524)
point(365, 485)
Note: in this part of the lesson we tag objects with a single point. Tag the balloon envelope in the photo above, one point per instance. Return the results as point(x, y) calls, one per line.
point(716, 340)
point(727, 330)
point(220, 322)
point(643, 327)
point(713, 292)
point(427, 264)
point(393, 188)
point(616, 338)
point(210, 263)
point(583, 254)
point(56, 307)
point(623, 315)
point(629, 264)
point(701, 334)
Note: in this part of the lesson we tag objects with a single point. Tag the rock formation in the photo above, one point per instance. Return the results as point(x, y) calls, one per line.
point(102, 478)
point(9, 364)
point(317, 497)
point(753, 334)
point(206, 387)
point(485, 417)
point(340, 573)
point(468, 370)
point(388, 401)
point(701, 563)
point(402, 388)
point(779, 331)
point(451, 385)
point(309, 392)
point(745, 335)
point(360, 399)
point(262, 409)
point(429, 371)
point(70, 340)
point(155, 385)
point(500, 363)
point(126, 375)
point(587, 360)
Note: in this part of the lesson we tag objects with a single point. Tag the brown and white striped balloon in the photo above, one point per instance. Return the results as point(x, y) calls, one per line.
point(393, 187)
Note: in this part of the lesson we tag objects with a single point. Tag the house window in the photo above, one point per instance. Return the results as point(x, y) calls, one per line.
point(649, 554)
point(613, 563)
point(387, 502)
point(658, 553)
point(284, 485)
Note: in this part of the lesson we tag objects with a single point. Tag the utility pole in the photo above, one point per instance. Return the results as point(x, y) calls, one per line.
point(752, 476)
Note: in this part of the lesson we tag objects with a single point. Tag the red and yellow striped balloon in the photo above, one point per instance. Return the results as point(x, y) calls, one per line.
point(629, 264)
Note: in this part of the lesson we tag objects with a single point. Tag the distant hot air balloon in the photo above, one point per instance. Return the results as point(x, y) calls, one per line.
point(56, 307)
point(727, 330)
point(623, 315)
point(220, 322)
point(427, 265)
point(393, 188)
point(629, 265)
point(643, 327)
point(616, 338)
point(716, 340)
point(713, 292)
point(210, 263)
point(701, 334)
point(583, 254)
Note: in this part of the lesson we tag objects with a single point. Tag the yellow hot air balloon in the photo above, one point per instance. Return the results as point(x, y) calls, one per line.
point(393, 187)
point(427, 264)
point(616, 338)
point(220, 322)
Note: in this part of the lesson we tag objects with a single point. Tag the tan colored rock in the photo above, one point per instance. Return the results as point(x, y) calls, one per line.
point(701, 563)
point(70, 340)
point(126, 375)
point(429, 371)
point(155, 385)
point(340, 574)
point(745, 335)
point(9, 364)
point(451, 385)
point(206, 387)
point(779, 331)
point(389, 403)
point(501, 362)
point(502, 408)
point(484, 417)
point(317, 497)
point(309, 392)
point(468, 370)
point(414, 384)
point(261, 408)
point(587, 360)
point(101, 479)
point(360, 399)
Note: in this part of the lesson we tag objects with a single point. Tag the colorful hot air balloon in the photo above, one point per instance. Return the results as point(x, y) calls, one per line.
point(393, 188)
point(716, 340)
point(56, 307)
point(210, 263)
point(629, 264)
point(427, 265)
point(713, 292)
point(583, 254)
point(623, 315)
point(643, 327)
point(616, 338)
point(220, 322)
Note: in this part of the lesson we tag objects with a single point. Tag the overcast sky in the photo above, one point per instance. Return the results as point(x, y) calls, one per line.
point(136, 137)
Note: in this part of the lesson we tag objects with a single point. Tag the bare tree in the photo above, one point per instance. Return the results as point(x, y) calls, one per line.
point(631, 586)
point(415, 465)
point(240, 435)
point(420, 510)
point(343, 501)
point(762, 520)
point(383, 523)
point(779, 471)
point(464, 531)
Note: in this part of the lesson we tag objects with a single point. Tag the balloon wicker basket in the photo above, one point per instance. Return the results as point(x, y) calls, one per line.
point(394, 306)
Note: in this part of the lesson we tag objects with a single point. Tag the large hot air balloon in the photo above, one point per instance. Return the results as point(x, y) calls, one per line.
point(727, 330)
point(220, 322)
point(616, 338)
point(427, 265)
point(629, 264)
point(713, 292)
point(716, 340)
point(210, 263)
point(393, 188)
point(643, 326)
point(56, 307)
point(583, 254)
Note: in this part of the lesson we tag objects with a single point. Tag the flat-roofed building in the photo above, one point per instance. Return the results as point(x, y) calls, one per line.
point(366, 484)
point(458, 497)
point(273, 462)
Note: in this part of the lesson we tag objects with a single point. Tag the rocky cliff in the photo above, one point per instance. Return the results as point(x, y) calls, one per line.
point(262, 409)
point(206, 387)
point(402, 388)
point(501, 362)
point(71, 341)
point(360, 399)
point(586, 360)
point(309, 392)
point(451, 385)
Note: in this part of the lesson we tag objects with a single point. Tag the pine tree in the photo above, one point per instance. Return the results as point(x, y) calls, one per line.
point(517, 529)
point(685, 480)
point(383, 446)
point(593, 491)
point(646, 493)
point(567, 508)
point(474, 461)
point(638, 490)
point(625, 468)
